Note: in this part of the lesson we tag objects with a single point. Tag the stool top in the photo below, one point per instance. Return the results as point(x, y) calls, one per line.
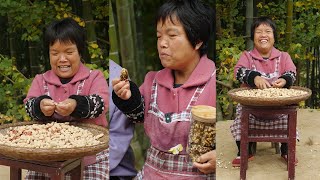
point(204, 113)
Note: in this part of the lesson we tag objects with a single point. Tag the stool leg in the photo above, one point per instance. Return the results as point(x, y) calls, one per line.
point(15, 173)
point(277, 147)
point(244, 145)
point(292, 122)
point(77, 173)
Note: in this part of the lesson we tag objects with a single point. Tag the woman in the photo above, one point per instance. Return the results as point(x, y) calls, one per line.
point(263, 67)
point(70, 91)
point(166, 97)
point(121, 132)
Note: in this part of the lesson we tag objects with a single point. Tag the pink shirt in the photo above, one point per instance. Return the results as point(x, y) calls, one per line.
point(252, 58)
point(163, 136)
point(95, 83)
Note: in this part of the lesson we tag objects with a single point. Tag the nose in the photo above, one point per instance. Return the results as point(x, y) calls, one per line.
point(163, 43)
point(62, 57)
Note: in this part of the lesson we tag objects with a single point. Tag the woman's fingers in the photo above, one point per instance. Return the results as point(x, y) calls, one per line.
point(122, 89)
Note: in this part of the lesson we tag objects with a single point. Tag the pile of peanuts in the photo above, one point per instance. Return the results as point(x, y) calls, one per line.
point(271, 93)
point(50, 135)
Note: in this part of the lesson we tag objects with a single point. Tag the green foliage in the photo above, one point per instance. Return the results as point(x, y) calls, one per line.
point(14, 87)
point(100, 9)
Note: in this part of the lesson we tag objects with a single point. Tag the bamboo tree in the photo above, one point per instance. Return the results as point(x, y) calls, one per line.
point(91, 33)
point(33, 59)
point(127, 37)
point(249, 20)
point(289, 23)
point(288, 35)
point(3, 30)
point(12, 44)
point(114, 48)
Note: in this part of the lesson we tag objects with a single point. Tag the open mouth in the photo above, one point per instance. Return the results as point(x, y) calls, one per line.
point(263, 41)
point(64, 68)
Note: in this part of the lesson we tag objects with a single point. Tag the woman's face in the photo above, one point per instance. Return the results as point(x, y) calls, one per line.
point(175, 50)
point(263, 38)
point(64, 59)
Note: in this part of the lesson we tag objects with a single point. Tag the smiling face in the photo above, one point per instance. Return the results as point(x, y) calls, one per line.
point(175, 50)
point(264, 39)
point(64, 59)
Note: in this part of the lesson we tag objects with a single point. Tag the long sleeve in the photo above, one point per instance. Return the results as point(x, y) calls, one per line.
point(90, 106)
point(243, 73)
point(288, 70)
point(32, 107)
point(133, 108)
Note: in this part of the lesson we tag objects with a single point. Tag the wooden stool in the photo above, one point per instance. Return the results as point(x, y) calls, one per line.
point(56, 170)
point(250, 135)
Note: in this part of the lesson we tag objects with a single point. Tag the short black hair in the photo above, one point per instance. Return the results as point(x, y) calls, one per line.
point(195, 16)
point(263, 20)
point(65, 30)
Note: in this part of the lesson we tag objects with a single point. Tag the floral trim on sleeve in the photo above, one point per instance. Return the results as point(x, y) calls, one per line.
point(137, 114)
point(246, 76)
point(29, 108)
point(88, 107)
point(290, 78)
point(32, 107)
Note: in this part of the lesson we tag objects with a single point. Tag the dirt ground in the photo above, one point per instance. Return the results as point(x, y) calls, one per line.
point(267, 165)
point(5, 173)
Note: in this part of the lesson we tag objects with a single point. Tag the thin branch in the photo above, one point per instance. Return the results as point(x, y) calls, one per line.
point(224, 84)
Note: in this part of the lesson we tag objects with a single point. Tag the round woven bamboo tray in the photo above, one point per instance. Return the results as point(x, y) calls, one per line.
point(258, 101)
point(55, 154)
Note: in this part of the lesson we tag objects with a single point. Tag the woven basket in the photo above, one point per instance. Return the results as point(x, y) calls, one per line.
point(256, 101)
point(55, 154)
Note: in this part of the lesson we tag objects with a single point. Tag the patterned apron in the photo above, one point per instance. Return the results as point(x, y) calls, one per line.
point(280, 121)
point(164, 165)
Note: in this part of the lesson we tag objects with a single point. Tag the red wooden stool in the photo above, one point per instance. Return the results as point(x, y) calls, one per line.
point(251, 135)
point(56, 170)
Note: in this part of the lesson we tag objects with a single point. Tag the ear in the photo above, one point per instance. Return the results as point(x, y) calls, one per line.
point(198, 45)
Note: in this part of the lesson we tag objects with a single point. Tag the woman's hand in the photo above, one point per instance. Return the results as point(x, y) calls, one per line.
point(66, 107)
point(207, 162)
point(47, 106)
point(279, 83)
point(121, 88)
point(261, 83)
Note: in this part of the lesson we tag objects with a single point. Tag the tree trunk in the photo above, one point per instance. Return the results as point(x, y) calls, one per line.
point(34, 60)
point(218, 15)
point(249, 20)
point(127, 37)
point(288, 35)
point(113, 40)
point(4, 38)
point(91, 33)
point(140, 50)
point(12, 42)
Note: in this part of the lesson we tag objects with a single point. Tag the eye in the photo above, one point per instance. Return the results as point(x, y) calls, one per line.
point(69, 52)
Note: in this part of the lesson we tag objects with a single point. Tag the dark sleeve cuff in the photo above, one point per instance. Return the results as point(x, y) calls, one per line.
point(90, 106)
point(132, 103)
point(251, 76)
point(133, 108)
point(247, 76)
point(34, 110)
point(289, 81)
